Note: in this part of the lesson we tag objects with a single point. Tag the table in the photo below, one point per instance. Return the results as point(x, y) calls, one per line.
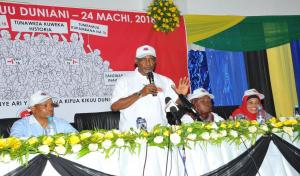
point(200, 159)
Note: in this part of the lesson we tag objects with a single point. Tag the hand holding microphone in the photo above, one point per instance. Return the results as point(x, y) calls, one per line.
point(148, 89)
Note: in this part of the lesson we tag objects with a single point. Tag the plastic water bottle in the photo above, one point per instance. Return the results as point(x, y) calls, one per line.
point(296, 111)
point(141, 123)
point(260, 118)
point(50, 130)
point(240, 117)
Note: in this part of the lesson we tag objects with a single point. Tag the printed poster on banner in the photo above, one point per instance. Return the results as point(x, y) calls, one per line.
point(76, 55)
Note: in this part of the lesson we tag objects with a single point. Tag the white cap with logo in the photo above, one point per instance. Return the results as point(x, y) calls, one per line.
point(145, 50)
point(253, 92)
point(198, 93)
point(38, 98)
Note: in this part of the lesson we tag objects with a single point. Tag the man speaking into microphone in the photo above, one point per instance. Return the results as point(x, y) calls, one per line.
point(142, 93)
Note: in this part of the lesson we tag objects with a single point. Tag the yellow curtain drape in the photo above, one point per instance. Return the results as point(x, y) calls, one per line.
point(282, 79)
point(200, 27)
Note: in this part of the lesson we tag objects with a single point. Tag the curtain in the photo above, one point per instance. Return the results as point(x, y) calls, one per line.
point(227, 76)
point(290, 152)
point(282, 79)
point(258, 76)
point(295, 48)
point(198, 70)
point(248, 163)
point(63, 166)
point(203, 26)
point(35, 167)
point(255, 33)
point(69, 168)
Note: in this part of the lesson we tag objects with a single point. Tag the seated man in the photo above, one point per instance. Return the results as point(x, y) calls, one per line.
point(201, 99)
point(41, 106)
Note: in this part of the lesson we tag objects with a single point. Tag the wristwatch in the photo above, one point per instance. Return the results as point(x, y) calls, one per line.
point(139, 94)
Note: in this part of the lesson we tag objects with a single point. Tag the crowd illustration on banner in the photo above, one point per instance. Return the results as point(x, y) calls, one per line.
point(50, 62)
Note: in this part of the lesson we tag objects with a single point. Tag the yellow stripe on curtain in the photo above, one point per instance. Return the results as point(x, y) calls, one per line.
point(200, 27)
point(282, 79)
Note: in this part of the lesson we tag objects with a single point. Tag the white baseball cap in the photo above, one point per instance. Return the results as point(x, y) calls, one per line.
point(198, 93)
point(145, 50)
point(38, 98)
point(253, 92)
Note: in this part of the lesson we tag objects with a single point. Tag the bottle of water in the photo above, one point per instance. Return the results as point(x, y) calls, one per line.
point(240, 117)
point(50, 130)
point(141, 123)
point(260, 118)
point(296, 111)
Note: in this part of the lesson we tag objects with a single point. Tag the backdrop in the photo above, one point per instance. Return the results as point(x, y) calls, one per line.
point(76, 55)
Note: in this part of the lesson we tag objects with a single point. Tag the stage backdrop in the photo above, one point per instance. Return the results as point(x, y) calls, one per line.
point(76, 55)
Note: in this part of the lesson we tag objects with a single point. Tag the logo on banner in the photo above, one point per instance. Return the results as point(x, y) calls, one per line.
point(73, 62)
point(12, 61)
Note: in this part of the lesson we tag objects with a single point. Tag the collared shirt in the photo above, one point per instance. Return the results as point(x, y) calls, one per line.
point(186, 118)
point(29, 126)
point(150, 107)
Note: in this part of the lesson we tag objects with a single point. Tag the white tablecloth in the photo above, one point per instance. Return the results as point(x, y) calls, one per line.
point(199, 160)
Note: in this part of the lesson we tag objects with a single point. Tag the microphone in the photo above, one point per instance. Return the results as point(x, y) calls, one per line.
point(141, 123)
point(170, 104)
point(187, 104)
point(151, 80)
point(173, 109)
point(150, 77)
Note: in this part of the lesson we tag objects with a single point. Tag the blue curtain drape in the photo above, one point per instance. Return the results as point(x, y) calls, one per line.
point(198, 70)
point(295, 47)
point(227, 76)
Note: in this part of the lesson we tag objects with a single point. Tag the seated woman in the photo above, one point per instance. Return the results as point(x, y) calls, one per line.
point(201, 99)
point(250, 105)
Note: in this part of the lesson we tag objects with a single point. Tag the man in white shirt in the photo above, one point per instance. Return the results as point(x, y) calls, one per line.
point(201, 99)
point(135, 97)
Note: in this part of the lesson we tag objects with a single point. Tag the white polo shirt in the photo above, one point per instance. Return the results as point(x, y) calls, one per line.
point(150, 107)
point(186, 118)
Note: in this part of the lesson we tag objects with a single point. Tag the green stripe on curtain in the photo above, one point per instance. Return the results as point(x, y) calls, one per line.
point(256, 33)
point(200, 27)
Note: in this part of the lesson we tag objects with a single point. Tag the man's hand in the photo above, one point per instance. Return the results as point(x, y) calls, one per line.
point(149, 89)
point(183, 86)
point(128, 101)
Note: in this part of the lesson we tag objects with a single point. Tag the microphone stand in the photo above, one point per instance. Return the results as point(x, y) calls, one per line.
point(182, 156)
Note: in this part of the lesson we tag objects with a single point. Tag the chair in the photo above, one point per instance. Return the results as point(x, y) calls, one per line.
point(5, 126)
point(224, 111)
point(104, 120)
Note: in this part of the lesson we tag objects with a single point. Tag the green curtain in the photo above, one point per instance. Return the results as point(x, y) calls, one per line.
point(255, 33)
point(200, 27)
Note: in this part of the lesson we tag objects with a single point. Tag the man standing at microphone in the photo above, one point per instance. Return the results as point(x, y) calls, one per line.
point(139, 95)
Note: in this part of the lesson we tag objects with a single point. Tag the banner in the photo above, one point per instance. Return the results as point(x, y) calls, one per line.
point(76, 55)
